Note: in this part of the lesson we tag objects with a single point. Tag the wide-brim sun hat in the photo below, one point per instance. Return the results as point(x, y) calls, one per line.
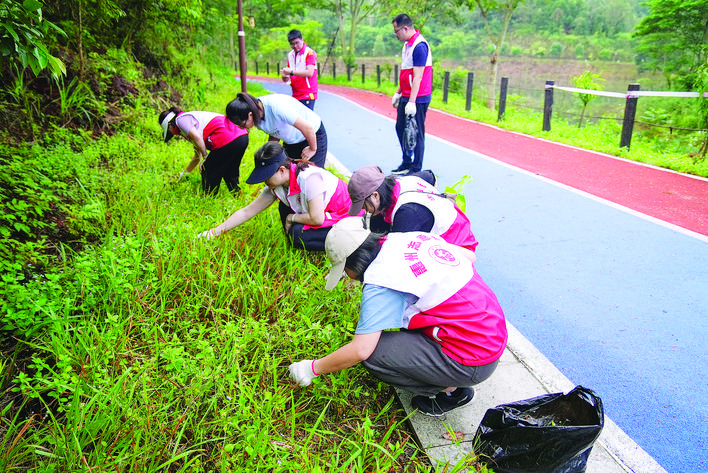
point(342, 240)
point(362, 184)
point(166, 133)
point(264, 168)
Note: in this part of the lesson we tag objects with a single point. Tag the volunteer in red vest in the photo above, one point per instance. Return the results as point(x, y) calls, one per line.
point(301, 70)
point(408, 203)
point(414, 91)
point(455, 329)
point(214, 138)
point(314, 199)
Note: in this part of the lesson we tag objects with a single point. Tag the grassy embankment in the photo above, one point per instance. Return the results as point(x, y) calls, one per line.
point(136, 348)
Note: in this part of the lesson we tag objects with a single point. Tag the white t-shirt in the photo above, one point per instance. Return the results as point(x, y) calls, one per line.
point(281, 112)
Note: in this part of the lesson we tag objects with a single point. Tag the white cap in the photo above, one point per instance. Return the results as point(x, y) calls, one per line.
point(342, 240)
point(165, 122)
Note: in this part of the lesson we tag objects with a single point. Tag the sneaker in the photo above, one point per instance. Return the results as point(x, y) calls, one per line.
point(442, 403)
point(402, 169)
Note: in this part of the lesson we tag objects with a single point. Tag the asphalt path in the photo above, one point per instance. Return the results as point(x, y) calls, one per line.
point(615, 298)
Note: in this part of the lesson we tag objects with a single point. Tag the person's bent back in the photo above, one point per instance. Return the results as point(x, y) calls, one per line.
point(408, 203)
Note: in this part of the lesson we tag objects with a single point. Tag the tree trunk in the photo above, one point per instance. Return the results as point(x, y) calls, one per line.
point(340, 20)
point(582, 114)
point(491, 82)
point(82, 63)
point(232, 48)
point(704, 149)
point(506, 9)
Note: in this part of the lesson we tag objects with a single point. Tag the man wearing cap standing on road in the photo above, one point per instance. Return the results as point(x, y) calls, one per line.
point(408, 203)
point(301, 70)
point(415, 88)
point(456, 330)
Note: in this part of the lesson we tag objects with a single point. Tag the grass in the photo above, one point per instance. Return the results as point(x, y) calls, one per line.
point(658, 147)
point(132, 347)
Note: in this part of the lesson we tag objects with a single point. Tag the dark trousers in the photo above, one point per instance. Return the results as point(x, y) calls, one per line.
point(295, 150)
point(411, 360)
point(224, 163)
point(309, 103)
point(416, 163)
point(310, 240)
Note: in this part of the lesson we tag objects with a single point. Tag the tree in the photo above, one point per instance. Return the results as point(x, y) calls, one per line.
point(673, 38)
point(420, 11)
point(497, 17)
point(353, 13)
point(702, 86)
point(586, 80)
point(23, 31)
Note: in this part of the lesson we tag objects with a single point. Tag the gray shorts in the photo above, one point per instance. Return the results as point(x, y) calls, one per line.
point(411, 360)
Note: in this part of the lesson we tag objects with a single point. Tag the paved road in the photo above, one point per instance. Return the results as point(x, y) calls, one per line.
point(618, 301)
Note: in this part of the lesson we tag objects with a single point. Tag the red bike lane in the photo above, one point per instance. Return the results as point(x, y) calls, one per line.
point(672, 197)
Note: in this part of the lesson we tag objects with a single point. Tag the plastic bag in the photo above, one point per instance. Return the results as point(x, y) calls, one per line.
point(410, 136)
point(553, 433)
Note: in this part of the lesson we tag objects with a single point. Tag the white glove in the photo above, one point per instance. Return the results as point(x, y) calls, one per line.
point(396, 98)
point(207, 234)
point(302, 372)
point(410, 108)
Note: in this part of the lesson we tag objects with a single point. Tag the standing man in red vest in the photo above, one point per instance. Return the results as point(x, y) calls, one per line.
point(301, 70)
point(415, 88)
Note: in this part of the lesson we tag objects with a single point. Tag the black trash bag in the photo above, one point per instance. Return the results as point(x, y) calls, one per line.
point(553, 433)
point(410, 135)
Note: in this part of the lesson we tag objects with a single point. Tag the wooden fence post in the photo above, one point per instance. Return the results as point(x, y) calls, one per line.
point(446, 86)
point(502, 98)
point(363, 73)
point(548, 105)
point(395, 75)
point(470, 82)
point(334, 70)
point(267, 68)
point(378, 74)
point(630, 111)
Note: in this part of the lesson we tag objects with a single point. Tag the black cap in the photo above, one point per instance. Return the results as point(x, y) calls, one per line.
point(264, 168)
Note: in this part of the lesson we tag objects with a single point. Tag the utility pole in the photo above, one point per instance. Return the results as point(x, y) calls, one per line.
point(241, 47)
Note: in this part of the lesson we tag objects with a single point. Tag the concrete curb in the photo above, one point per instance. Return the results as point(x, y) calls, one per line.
point(523, 372)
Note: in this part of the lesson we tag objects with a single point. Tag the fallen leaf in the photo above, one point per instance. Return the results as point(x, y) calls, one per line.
point(454, 435)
